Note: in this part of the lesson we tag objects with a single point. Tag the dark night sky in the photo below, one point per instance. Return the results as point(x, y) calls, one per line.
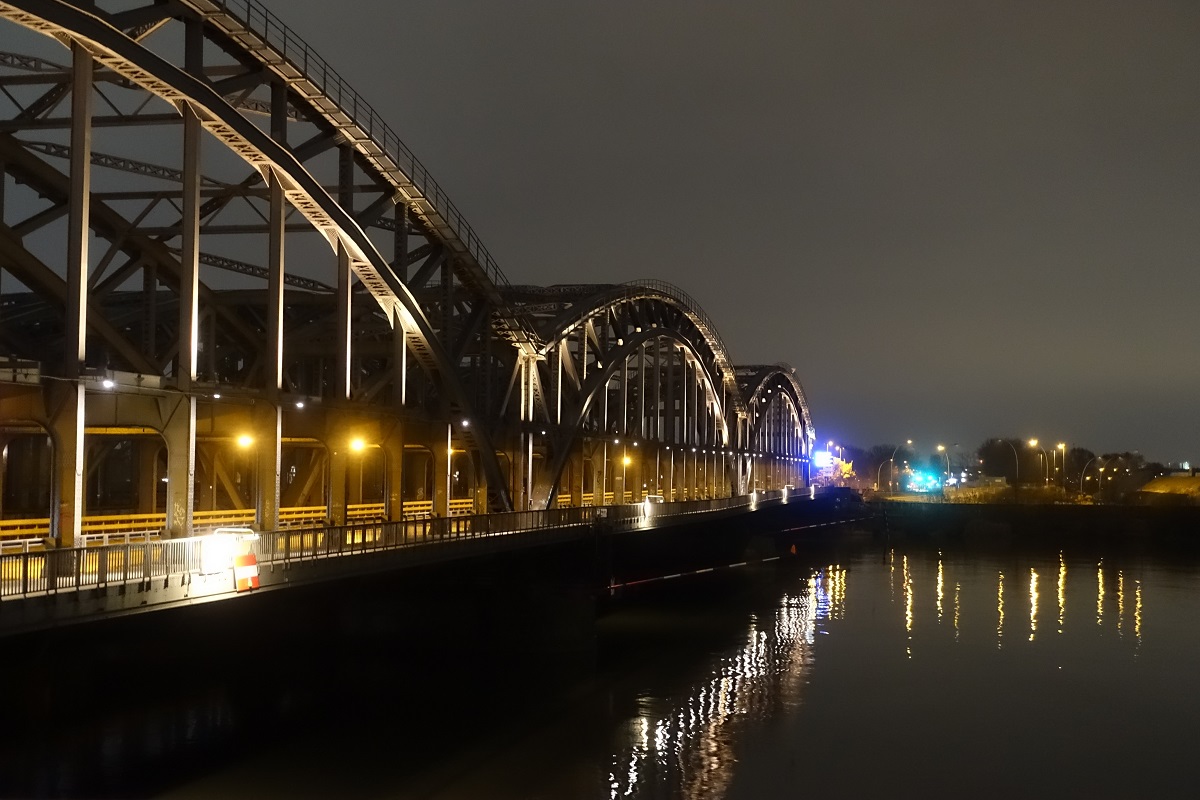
point(956, 219)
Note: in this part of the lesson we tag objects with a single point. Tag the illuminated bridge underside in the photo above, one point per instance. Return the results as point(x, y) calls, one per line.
point(230, 294)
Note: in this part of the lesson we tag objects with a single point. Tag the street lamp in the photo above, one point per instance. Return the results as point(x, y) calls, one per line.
point(1063, 447)
point(891, 465)
point(1016, 461)
point(1083, 472)
point(1045, 466)
point(942, 450)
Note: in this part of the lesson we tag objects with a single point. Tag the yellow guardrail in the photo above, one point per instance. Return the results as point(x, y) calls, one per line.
point(98, 525)
point(418, 508)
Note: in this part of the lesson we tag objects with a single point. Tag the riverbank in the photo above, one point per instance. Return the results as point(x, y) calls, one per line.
point(1166, 525)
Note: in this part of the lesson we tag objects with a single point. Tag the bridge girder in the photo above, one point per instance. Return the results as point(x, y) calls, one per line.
point(202, 278)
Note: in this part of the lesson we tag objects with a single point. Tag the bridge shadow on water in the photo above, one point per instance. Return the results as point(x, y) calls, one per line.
point(402, 669)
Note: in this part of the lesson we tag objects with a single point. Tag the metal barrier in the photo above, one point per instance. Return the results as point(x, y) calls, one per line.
point(31, 532)
point(133, 559)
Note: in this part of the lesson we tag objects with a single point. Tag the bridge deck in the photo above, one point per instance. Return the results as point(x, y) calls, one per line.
point(52, 586)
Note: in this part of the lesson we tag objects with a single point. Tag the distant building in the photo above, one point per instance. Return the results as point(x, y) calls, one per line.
point(1180, 488)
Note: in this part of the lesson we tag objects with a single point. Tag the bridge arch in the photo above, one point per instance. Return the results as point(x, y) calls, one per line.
point(626, 366)
point(189, 154)
point(224, 74)
point(779, 429)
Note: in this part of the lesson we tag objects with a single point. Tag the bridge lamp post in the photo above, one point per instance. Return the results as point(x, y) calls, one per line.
point(625, 462)
point(1062, 446)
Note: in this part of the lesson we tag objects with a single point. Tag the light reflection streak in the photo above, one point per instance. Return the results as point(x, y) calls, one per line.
point(1000, 613)
point(1033, 603)
point(1062, 591)
point(957, 608)
point(1100, 593)
point(908, 607)
point(688, 747)
point(1137, 612)
point(940, 585)
point(1120, 603)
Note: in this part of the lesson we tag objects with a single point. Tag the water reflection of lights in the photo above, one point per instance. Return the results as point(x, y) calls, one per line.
point(1033, 603)
point(940, 584)
point(1062, 590)
point(908, 608)
point(1000, 612)
point(1137, 612)
point(957, 608)
point(916, 576)
point(688, 748)
point(1120, 603)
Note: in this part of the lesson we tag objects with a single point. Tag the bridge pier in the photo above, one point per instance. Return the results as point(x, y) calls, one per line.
point(66, 426)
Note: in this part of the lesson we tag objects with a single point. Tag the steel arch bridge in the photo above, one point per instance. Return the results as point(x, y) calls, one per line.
point(228, 291)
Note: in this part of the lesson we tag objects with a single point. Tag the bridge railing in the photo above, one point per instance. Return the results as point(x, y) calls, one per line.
point(49, 571)
point(280, 47)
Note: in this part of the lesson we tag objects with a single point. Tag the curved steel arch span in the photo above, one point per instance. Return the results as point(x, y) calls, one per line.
point(165, 178)
point(780, 426)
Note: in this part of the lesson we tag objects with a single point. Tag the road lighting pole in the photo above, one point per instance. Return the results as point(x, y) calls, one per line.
point(942, 450)
point(1016, 461)
point(1083, 472)
point(1063, 447)
point(1045, 466)
point(891, 465)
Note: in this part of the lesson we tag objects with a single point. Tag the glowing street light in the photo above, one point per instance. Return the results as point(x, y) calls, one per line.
point(1045, 457)
point(891, 465)
point(244, 441)
point(942, 450)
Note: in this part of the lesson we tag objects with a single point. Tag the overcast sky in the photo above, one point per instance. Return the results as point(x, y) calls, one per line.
point(956, 219)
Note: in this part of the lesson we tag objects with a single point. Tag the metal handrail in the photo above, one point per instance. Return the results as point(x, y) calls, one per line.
point(295, 52)
point(50, 571)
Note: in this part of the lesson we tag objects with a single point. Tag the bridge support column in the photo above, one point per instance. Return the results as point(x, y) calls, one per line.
point(599, 455)
point(66, 425)
point(338, 458)
point(575, 490)
point(268, 428)
point(619, 474)
point(180, 436)
point(147, 469)
point(67, 417)
point(393, 461)
point(441, 475)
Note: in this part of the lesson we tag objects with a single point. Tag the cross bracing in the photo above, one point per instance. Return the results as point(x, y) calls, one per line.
point(209, 241)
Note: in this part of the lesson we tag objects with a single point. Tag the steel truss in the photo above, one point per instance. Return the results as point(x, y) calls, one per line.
point(164, 182)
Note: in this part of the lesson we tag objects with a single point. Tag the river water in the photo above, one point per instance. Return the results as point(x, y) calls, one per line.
point(864, 669)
